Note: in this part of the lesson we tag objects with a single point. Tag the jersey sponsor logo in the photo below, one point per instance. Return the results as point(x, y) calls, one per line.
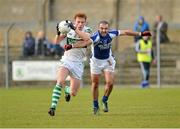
point(72, 41)
point(104, 46)
point(88, 30)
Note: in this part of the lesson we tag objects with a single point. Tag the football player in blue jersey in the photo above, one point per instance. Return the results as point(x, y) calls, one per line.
point(102, 59)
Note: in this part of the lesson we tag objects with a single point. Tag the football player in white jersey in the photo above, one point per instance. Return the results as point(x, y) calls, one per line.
point(102, 60)
point(71, 63)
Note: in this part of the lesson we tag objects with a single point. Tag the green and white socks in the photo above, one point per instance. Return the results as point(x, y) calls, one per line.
point(67, 89)
point(56, 95)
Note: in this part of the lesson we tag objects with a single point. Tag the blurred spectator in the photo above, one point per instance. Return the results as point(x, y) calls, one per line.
point(58, 50)
point(43, 46)
point(46, 48)
point(28, 45)
point(145, 56)
point(163, 30)
point(54, 50)
point(140, 26)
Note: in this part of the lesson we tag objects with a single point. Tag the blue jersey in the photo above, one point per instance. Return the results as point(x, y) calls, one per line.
point(101, 47)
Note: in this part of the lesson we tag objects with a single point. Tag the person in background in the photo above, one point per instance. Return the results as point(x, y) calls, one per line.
point(140, 26)
point(28, 45)
point(58, 50)
point(163, 30)
point(43, 47)
point(145, 56)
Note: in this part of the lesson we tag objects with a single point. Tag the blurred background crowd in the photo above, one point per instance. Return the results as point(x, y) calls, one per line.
point(28, 29)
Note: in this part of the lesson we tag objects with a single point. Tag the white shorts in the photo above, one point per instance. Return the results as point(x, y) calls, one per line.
point(97, 65)
point(76, 68)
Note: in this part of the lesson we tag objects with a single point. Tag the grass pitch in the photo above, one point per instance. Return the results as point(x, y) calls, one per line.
point(129, 108)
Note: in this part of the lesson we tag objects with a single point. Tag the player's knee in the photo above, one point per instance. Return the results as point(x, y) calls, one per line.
point(61, 82)
point(109, 84)
point(95, 85)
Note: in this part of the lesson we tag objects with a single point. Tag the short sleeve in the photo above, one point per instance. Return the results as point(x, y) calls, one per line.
point(114, 33)
point(88, 30)
point(94, 37)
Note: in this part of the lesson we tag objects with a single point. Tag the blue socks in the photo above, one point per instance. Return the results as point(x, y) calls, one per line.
point(105, 98)
point(95, 103)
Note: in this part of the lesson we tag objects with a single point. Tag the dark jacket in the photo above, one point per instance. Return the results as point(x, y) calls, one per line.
point(28, 46)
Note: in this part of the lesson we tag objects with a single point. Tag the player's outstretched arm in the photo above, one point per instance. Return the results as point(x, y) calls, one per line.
point(81, 44)
point(133, 33)
point(78, 44)
point(85, 36)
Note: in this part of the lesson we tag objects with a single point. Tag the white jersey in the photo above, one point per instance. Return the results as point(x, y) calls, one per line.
point(75, 54)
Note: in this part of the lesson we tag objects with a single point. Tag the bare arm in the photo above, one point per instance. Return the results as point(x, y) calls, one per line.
point(78, 44)
point(130, 33)
point(133, 33)
point(58, 38)
point(86, 40)
point(81, 44)
point(85, 36)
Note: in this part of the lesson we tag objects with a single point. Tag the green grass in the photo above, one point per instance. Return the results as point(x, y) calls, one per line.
point(129, 107)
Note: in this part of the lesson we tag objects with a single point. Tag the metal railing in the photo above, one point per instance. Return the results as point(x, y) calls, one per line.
point(158, 58)
point(6, 44)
